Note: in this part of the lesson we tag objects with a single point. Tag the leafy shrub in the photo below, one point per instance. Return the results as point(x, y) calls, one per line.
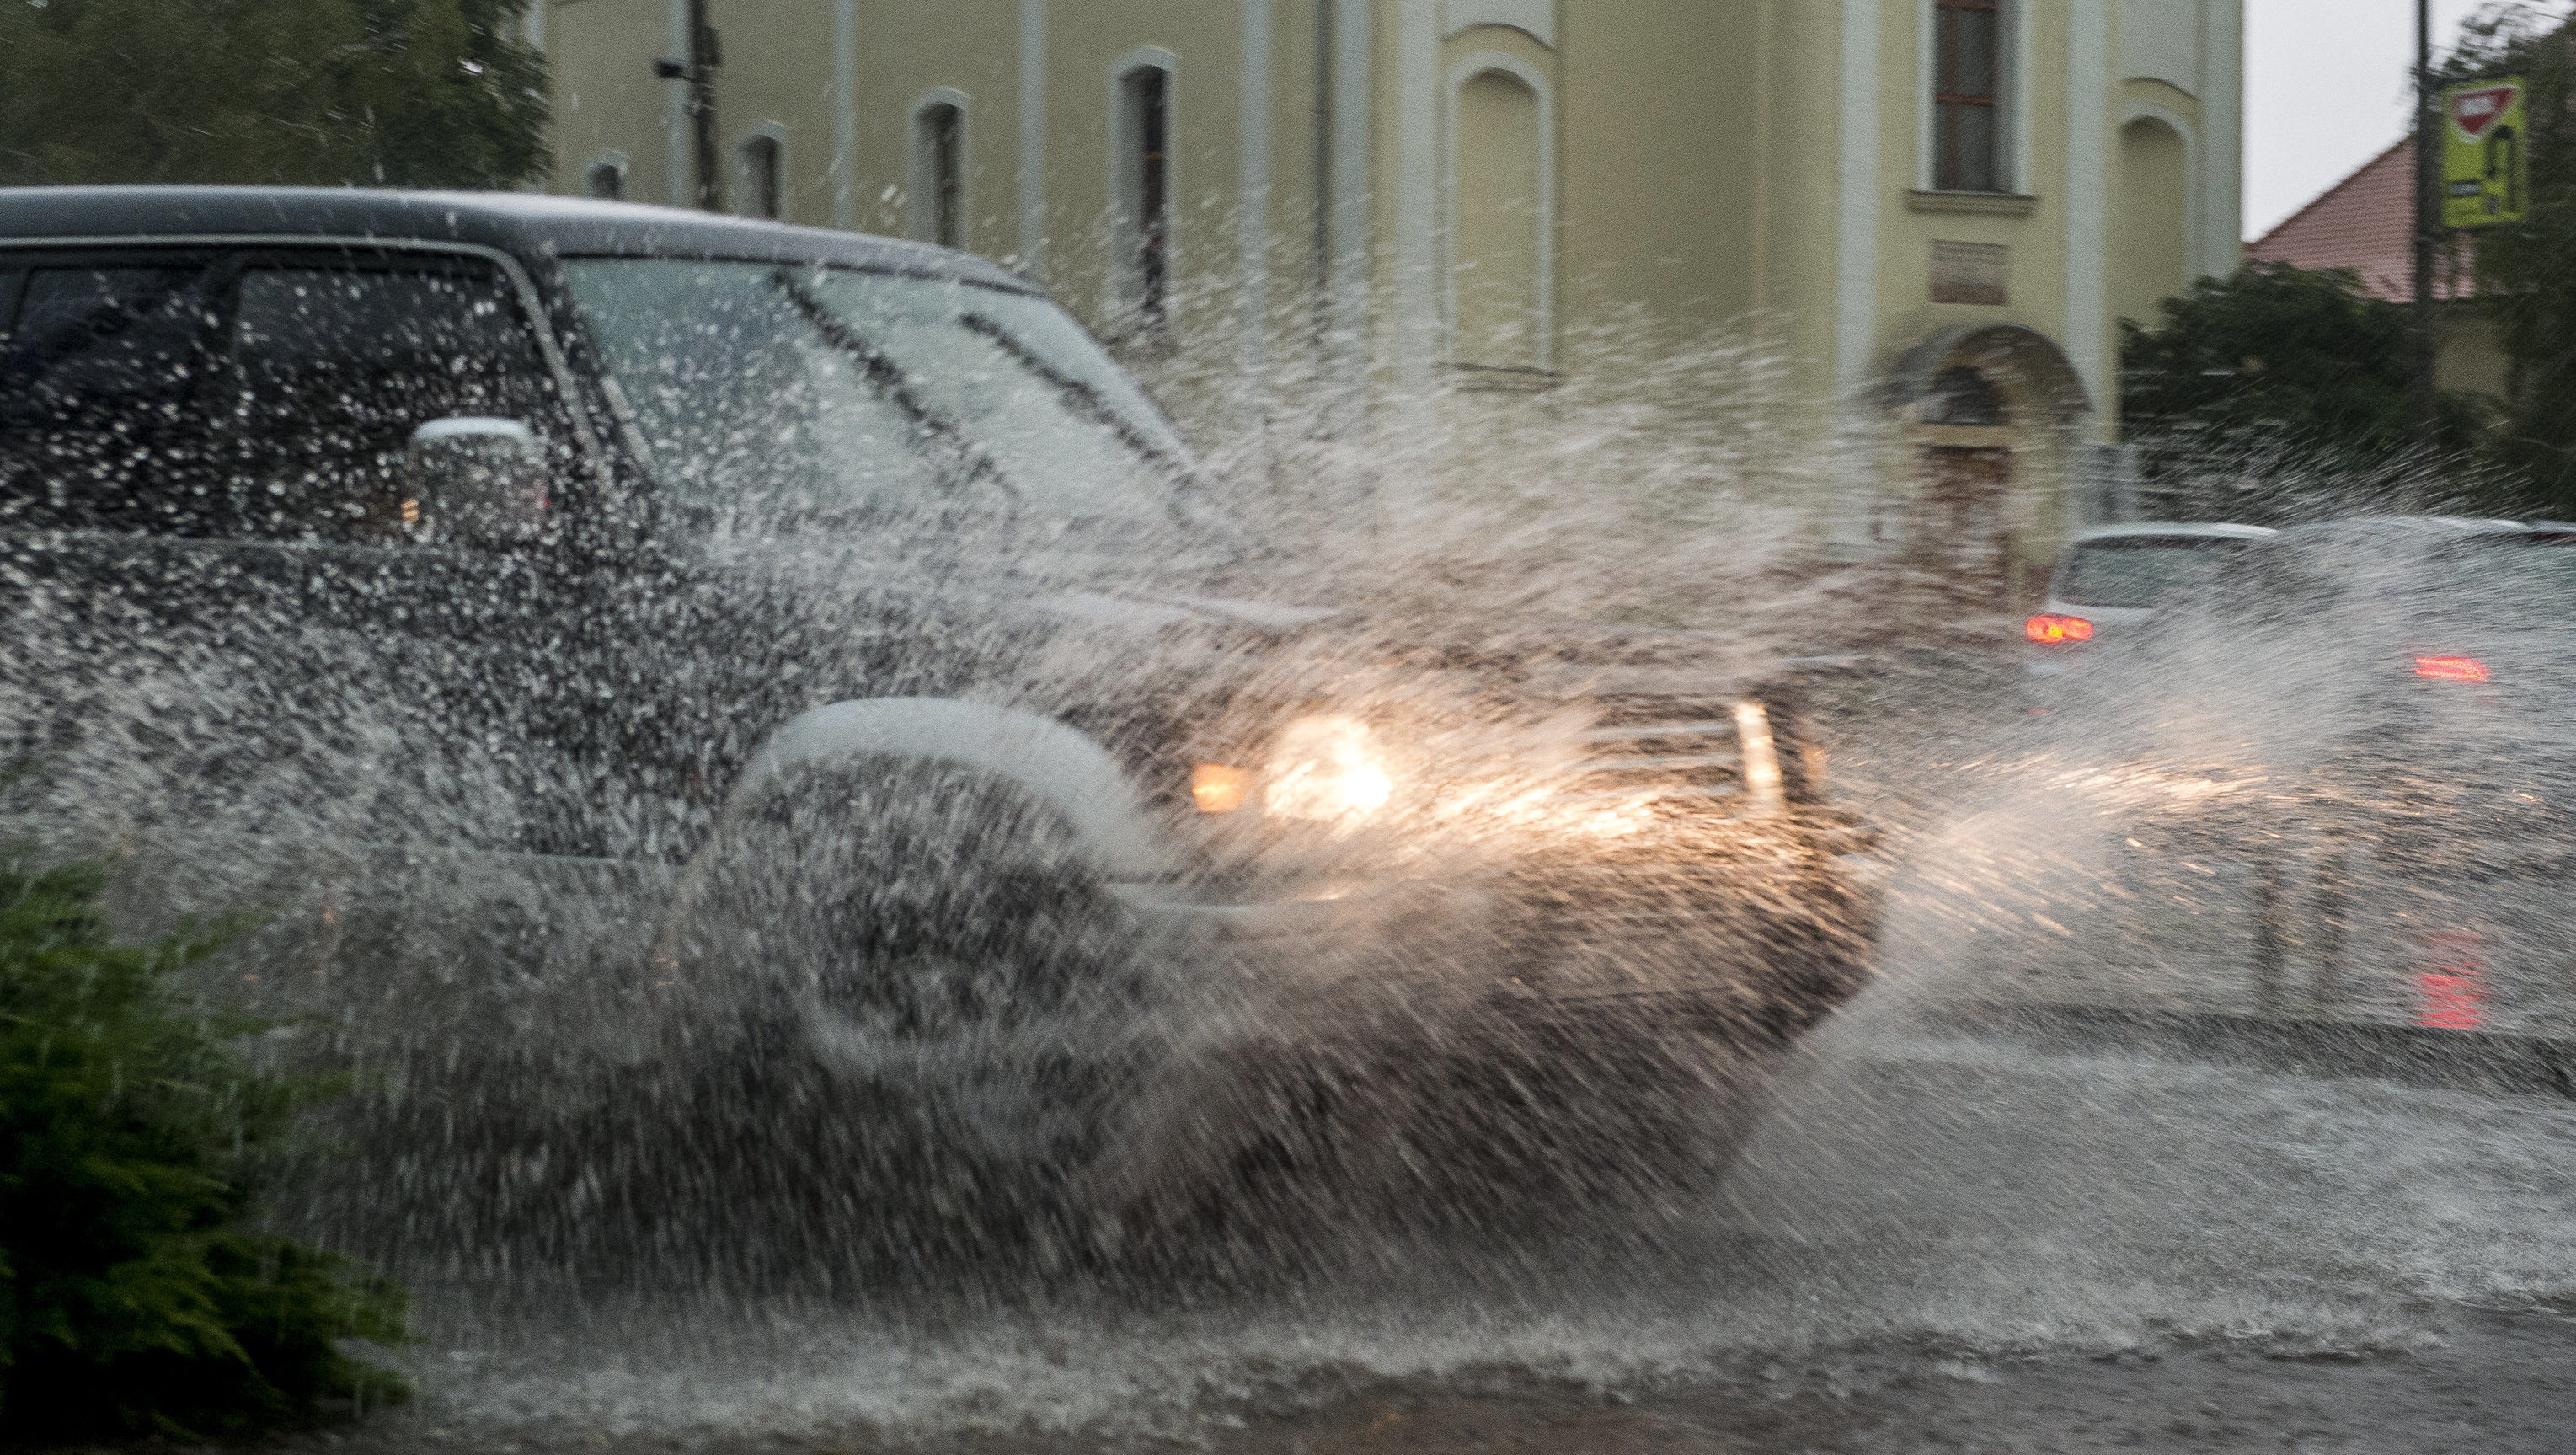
point(134, 1293)
point(2302, 357)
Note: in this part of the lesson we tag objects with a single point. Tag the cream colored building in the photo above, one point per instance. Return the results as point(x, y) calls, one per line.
point(1939, 208)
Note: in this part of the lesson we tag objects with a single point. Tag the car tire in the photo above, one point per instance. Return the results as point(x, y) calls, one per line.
point(906, 1007)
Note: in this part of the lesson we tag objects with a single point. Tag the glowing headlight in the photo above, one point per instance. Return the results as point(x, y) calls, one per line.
point(1324, 768)
point(1216, 788)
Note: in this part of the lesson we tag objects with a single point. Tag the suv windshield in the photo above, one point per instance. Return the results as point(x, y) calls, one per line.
point(785, 397)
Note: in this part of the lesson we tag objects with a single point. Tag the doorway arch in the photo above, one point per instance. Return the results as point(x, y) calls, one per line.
point(1990, 417)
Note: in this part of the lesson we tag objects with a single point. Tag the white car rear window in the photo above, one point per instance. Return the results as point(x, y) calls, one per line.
point(2133, 572)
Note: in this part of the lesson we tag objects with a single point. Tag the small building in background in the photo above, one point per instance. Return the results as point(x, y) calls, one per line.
point(2366, 223)
point(1932, 211)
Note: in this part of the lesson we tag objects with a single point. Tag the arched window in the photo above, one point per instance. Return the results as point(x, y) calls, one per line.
point(937, 206)
point(2151, 244)
point(1499, 200)
point(1142, 236)
point(764, 173)
point(606, 178)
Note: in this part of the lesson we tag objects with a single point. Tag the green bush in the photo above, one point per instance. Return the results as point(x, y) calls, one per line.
point(2303, 358)
point(135, 1293)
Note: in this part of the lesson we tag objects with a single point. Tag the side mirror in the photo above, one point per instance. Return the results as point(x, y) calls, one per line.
point(475, 482)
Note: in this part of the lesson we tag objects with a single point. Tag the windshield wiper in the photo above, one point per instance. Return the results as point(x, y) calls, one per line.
point(972, 461)
point(1089, 400)
point(1185, 507)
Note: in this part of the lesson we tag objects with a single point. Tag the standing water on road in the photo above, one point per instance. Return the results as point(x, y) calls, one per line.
point(948, 920)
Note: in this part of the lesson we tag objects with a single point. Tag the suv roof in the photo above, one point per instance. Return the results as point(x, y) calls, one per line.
point(524, 224)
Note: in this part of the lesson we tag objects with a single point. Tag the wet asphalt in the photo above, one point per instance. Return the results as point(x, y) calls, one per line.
point(1957, 1235)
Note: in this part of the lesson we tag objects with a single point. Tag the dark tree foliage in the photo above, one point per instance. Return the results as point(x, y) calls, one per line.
point(2527, 272)
point(463, 102)
point(135, 1296)
point(2283, 358)
point(397, 93)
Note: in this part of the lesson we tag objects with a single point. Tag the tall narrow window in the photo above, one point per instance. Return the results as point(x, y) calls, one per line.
point(1147, 93)
point(762, 184)
point(939, 174)
point(1967, 96)
point(607, 181)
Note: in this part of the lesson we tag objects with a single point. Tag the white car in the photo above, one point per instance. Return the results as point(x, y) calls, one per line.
point(2114, 578)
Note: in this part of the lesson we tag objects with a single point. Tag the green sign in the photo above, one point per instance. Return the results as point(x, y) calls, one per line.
point(2486, 156)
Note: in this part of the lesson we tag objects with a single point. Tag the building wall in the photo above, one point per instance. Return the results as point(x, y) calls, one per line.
point(607, 103)
point(2469, 355)
point(1663, 157)
point(1707, 164)
point(764, 89)
point(1804, 272)
point(961, 53)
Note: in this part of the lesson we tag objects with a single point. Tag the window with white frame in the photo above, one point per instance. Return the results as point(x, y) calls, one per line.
point(764, 185)
point(1969, 53)
point(1144, 234)
point(938, 202)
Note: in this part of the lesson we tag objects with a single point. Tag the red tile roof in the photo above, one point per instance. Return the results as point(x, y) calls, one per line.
point(2366, 222)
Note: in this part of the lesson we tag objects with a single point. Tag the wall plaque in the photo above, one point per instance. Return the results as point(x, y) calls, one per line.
point(1970, 273)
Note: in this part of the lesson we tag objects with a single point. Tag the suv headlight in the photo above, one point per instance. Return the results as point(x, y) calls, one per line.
point(1324, 768)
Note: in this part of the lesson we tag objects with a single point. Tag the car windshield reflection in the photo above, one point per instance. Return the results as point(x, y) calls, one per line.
point(774, 400)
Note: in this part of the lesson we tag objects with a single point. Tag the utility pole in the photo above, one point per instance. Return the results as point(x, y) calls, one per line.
point(2420, 406)
point(705, 58)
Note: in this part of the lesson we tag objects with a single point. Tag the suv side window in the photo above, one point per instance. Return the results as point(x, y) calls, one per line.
point(326, 370)
point(99, 425)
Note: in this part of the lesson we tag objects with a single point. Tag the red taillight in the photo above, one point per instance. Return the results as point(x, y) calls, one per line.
point(2054, 629)
point(2451, 985)
point(2451, 669)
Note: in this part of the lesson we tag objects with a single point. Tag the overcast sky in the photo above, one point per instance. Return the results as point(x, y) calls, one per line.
point(2326, 89)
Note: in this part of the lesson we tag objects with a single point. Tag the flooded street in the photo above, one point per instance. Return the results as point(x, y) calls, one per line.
point(1946, 1235)
point(1939, 1242)
point(2494, 1383)
point(1306, 726)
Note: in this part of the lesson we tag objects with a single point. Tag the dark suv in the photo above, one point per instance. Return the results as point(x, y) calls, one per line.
point(839, 608)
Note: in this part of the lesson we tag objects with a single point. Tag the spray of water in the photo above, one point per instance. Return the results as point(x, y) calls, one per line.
point(634, 1100)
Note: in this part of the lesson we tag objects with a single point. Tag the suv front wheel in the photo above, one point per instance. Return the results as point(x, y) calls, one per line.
point(908, 1008)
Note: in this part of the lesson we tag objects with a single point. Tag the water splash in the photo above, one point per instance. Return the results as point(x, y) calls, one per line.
point(614, 1238)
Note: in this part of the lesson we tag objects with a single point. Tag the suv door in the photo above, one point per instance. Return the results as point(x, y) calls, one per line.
point(328, 365)
point(202, 472)
point(102, 446)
